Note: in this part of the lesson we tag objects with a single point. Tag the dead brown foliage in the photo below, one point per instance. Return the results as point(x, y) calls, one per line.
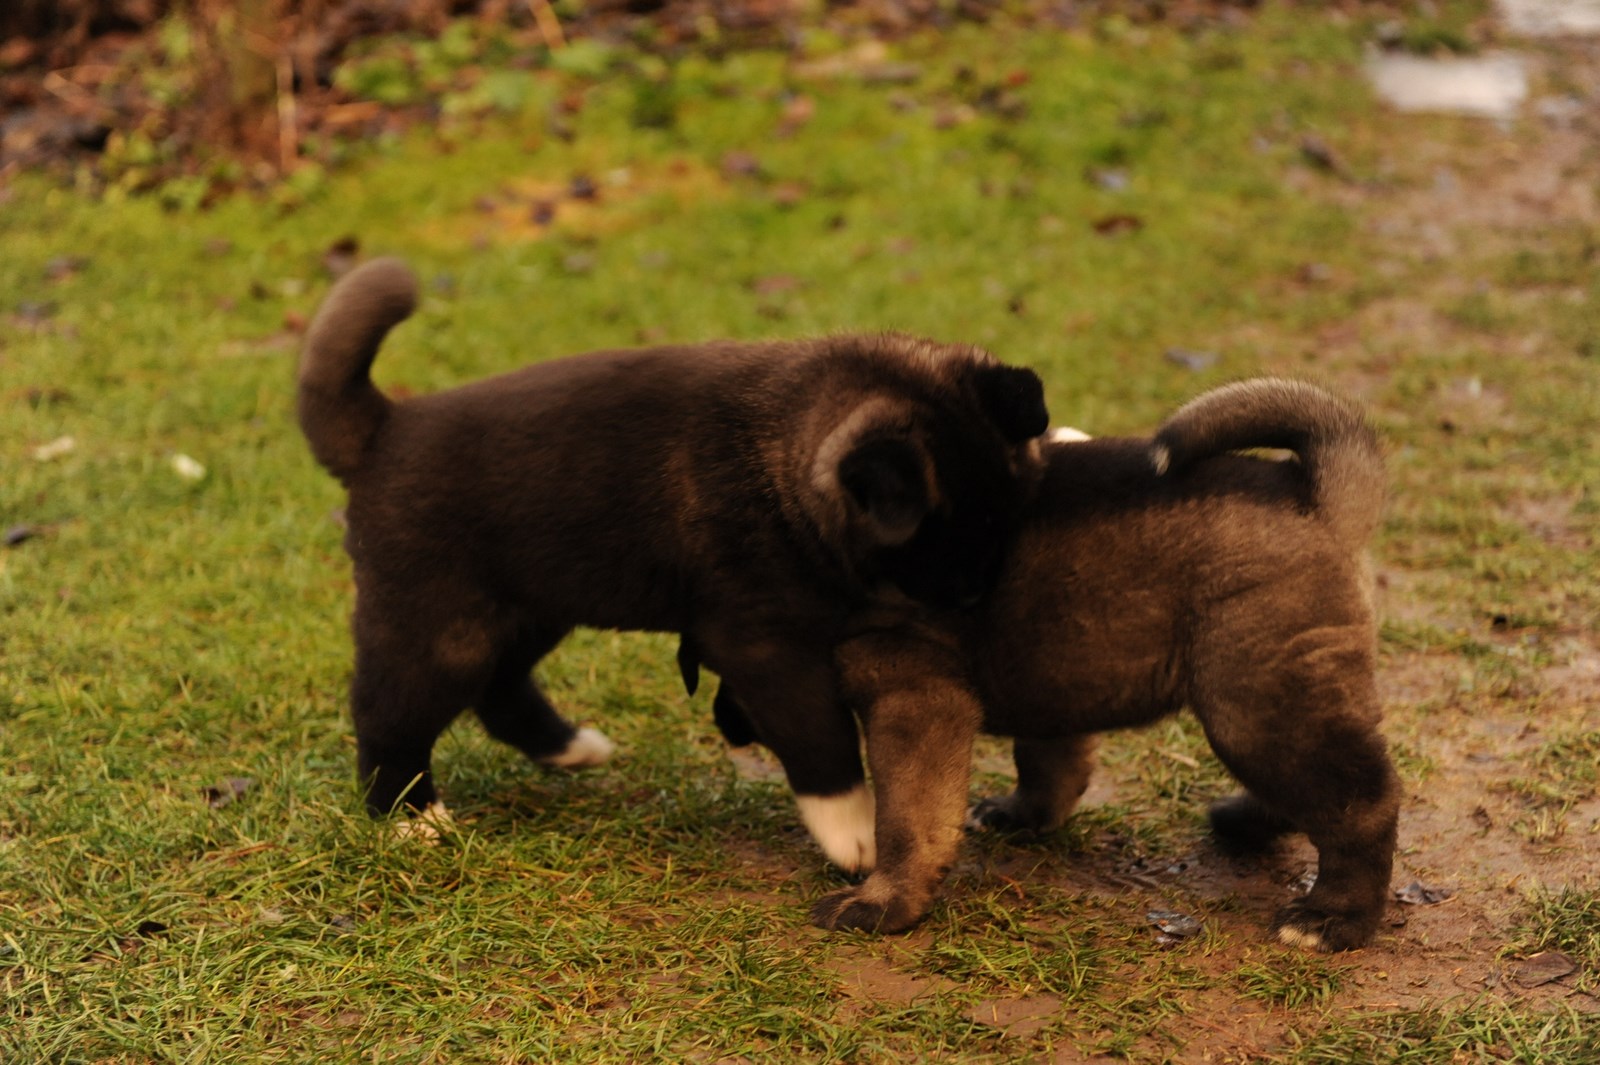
point(262, 70)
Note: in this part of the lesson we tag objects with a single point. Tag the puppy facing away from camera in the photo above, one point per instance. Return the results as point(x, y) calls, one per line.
point(748, 495)
point(1151, 575)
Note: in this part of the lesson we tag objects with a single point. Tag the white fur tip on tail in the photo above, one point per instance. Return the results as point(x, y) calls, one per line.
point(589, 747)
point(843, 827)
point(1160, 458)
point(1066, 434)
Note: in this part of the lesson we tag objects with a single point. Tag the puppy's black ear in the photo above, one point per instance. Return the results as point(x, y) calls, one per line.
point(884, 477)
point(1014, 398)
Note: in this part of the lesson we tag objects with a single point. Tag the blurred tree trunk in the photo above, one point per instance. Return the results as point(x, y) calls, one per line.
point(246, 96)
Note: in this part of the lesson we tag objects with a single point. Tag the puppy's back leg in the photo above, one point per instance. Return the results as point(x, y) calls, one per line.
point(400, 704)
point(516, 712)
point(1241, 823)
point(1052, 775)
point(1302, 736)
point(423, 655)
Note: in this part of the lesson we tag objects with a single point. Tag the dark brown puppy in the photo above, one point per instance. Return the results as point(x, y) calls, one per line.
point(1152, 575)
point(750, 496)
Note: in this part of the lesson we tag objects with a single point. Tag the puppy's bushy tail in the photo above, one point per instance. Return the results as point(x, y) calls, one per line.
point(340, 408)
point(1339, 452)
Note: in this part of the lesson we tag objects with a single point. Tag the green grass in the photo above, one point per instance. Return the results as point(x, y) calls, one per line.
point(1290, 980)
point(1567, 920)
point(161, 635)
point(1481, 1034)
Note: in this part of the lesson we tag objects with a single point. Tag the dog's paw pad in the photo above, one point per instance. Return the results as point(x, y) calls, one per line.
point(843, 827)
point(429, 826)
point(993, 815)
point(866, 908)
point(1009, 814)
point(589, 747)
point(1303, 926)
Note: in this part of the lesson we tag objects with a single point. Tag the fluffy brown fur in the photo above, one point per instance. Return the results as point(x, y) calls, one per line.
point(750, 496)
point(1153, 575)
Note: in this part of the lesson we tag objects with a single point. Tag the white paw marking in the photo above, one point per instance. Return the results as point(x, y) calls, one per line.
point(428, 826)
point(589, 747)
point(1296, 937)
point(842, 825)
point(1066, 434)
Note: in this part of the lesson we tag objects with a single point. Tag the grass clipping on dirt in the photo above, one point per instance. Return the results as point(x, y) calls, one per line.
point(185, 871)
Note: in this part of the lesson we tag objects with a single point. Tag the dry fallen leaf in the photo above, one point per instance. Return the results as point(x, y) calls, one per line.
point(1113, 224)
point(1545, 967)
point(1417, 893)
point(225, 793)
point(1172, 926)
point(777, 283)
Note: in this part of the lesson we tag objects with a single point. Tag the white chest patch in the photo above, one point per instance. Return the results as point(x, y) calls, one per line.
point(589, 747)
point(1067, 435)
point(842, 825)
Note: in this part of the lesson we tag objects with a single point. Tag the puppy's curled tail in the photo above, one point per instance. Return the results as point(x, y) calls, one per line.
point(340, 409)
point(1339, 452)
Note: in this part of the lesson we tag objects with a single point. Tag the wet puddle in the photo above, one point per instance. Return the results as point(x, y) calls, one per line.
point(1491, 86)
point(1545, 18)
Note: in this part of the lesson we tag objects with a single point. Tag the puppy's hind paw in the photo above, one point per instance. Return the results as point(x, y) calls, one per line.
point(429, 826)
point(995, 814)
point(589, 747)
point(1304, 926)
point(1011, 814)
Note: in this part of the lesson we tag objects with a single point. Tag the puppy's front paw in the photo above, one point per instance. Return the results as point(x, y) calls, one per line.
point(587, 747)
point(843, 827)
point(1301, 924)
point(869, 907)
